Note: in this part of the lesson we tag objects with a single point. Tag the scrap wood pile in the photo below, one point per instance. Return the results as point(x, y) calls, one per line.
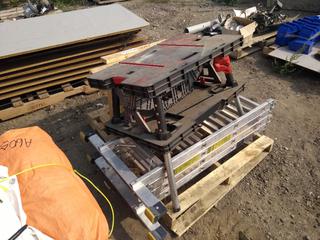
point(46, 52)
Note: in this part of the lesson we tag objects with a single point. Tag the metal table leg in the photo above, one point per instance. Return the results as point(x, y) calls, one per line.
point(172, 182)
point(239, 106)
point(115, 106)
point(162, 130)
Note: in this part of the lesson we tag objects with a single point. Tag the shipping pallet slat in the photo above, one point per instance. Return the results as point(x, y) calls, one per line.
point(255, 44)
point(42, 86)
point(198, 199)
point(268, 49)
point(41, 100)
point(97, 120)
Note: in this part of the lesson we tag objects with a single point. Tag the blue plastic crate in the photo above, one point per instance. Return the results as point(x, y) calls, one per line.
point(301, 46)
point(300, 34)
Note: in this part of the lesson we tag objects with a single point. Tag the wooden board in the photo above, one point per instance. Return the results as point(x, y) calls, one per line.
point(15, 87)
point(40, 103)
point(245, 52)
point(42, 86)
point(268, 49)
point(255, 44)
point(23, 36)
point(97, 120)
point(43, 62)
point(197, 200)
point(117, 57)
point(112, 59)
point(51, 72)
point(83, 71)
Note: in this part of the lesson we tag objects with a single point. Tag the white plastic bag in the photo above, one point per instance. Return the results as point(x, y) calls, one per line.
point(12, 216)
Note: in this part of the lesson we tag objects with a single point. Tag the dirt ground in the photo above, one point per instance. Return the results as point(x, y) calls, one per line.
point(279, 199)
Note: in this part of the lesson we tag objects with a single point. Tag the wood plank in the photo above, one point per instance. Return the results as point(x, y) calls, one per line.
point(11, 16)
point(67, 87)
point(268, 49)
point(11, 10)
point(66, 28)
point(240, 53)
point(98, 69)
point(117, 57)
point(263, 37)
point(10, 13)
point(52, 72)
point(112, 59)
point(41, 86)
point(39, 104)
point(66, 50)
point(255, 44)
point(43, 94)
point(250, 157)
point(97, 120)
point(83, 71)
point(16, 102)
point(69, 58)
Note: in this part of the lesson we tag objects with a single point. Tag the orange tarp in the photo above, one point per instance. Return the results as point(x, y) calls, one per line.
point(55, 200)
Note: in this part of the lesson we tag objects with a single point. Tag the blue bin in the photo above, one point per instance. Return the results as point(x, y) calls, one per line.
point(301, 46)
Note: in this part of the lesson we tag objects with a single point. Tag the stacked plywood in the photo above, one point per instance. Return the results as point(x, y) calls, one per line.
point(47, 52)
point(11, 13)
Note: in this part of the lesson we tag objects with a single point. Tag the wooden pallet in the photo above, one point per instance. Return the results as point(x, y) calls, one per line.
point(255, 44)
point(202, 196)
point(268, 49)
point(41, 99)
point(198, 199)
point(97, 120)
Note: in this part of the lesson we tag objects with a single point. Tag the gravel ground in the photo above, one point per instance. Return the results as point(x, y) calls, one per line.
point(279, 199)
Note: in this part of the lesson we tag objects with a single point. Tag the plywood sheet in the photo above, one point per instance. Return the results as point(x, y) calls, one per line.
point(41, 86)
point(35, 34)
point(306, 61)
point(46, 61)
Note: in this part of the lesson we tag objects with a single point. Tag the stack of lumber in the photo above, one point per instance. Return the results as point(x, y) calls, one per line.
point(47, 52)
point(11, 13)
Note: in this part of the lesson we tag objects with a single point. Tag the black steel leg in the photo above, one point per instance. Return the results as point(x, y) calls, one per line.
point(116, 118)
point(162, 130)
point(230, 82)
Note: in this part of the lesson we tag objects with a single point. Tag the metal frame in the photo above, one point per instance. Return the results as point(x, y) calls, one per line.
point(157, 231)
point(144, 194)
point(238, 130)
